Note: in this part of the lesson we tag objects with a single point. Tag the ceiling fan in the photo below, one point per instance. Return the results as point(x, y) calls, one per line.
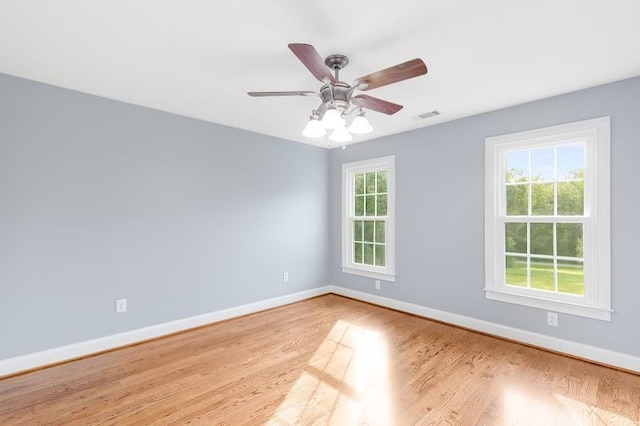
point(337, 97)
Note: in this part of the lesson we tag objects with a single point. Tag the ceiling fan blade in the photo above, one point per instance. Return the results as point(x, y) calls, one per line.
point(311, 59)
point(376, 104)
point(290, 93)
point(404, 71)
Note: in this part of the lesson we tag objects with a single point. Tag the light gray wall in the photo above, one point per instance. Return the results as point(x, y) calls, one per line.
point(102, 200)
point(440, 214)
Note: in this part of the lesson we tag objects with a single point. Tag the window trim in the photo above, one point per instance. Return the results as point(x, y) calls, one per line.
point(597, 226)
point(349, 170)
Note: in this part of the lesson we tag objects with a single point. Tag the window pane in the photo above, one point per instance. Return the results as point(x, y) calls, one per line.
point(571, 277)
point(357, 253)
point(542, 238)
point(517, 166)
point(379, 255)
point(357, 230)
point(515, 237)
point(381, 201)
point(516, 268)
point(542, 274)
point(359, 205)
point(569, 237)
point(370, 205)
point(368, 254)
point(379, 231)
point(517, 200)
point(370, 183)
point(368, 231)
point(542, 199)
point(360, 183)
point(542, 164)
point(570, 161)
point(571, 198)
point(382, 181)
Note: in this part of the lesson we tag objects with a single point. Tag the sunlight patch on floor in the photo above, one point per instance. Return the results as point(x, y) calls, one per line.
point(345, 382)
point(582, 413)
point(532, 408)
point(526, 409)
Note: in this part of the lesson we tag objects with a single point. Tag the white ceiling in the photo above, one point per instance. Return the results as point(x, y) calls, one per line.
point(199, 58)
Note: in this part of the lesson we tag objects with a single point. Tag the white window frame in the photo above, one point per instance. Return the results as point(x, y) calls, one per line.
point(596, 302)
point(349, 170)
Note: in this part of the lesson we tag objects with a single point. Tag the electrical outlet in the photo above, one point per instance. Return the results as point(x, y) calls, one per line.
point(285, 277)
point(121, 306)
point(377, 284)
point(552, 319)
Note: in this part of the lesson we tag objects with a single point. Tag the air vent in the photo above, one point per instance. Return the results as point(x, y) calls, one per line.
point(429, 114)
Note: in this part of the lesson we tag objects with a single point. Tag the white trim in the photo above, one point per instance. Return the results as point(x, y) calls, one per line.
point(64, 353)
point(388, 272)
point(593, 353)
point(369, 274)
point(596, 302)
point(550, 305)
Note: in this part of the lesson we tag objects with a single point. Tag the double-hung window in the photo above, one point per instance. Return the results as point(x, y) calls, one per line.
point(368, 218)
point(547, 219)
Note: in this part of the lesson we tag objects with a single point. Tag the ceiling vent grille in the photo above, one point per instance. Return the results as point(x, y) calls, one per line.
point(429, 114)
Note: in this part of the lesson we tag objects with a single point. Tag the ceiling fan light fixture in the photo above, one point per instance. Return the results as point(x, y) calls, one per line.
point(340, 134)
point(360, 125)
point(314, 129)
point(332, 119)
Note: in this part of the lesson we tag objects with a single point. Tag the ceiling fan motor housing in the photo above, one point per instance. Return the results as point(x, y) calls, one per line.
point(339, 93)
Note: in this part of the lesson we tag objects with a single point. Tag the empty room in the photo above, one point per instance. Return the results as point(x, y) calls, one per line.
point(319, 212)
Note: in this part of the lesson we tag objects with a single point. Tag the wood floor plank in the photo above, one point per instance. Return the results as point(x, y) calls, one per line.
point(327, 360)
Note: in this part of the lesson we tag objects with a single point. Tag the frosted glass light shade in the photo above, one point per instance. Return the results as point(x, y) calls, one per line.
point(332, 119)
point(314, 129)
point(360, 126)
point(340, 134)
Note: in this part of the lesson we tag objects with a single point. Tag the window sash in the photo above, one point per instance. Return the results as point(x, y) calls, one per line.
point(530, 218)
point(374, 241)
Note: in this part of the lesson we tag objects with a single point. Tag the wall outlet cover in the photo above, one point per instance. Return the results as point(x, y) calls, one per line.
point(121, 305)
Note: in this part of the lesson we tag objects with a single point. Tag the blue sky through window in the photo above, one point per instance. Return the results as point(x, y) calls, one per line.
point(569, 158)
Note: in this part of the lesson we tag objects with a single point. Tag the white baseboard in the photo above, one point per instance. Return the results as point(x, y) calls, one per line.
point(52, 356)
point(599, 355)
point(64, 353)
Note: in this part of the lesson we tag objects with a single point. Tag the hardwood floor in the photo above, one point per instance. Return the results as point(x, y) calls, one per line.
point(328, 360)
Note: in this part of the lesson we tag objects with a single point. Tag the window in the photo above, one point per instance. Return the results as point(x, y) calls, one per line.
point(368, 231)
point(547, 218)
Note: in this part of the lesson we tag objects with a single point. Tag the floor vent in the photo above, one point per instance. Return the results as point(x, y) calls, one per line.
point(429, 114)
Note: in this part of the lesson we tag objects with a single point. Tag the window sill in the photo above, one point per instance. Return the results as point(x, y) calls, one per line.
point(384, 276)
point(550, 305)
